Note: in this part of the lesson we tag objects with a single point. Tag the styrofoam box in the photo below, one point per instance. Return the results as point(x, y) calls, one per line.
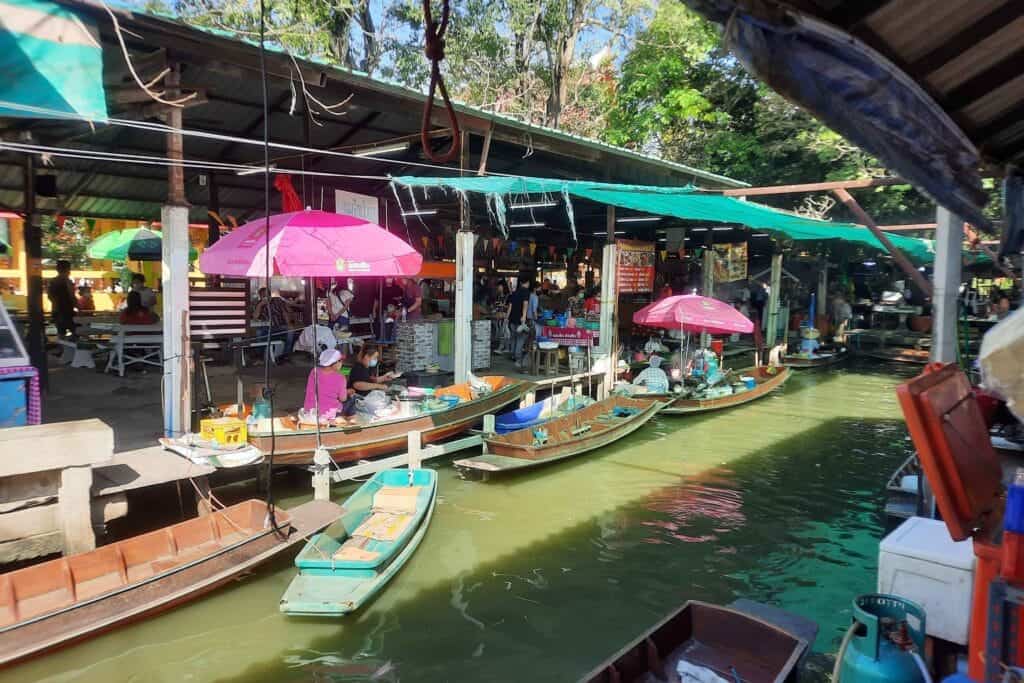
point(919, 561)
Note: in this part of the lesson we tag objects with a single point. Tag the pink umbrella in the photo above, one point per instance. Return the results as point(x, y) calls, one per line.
point(311, 244)
point(692, 313)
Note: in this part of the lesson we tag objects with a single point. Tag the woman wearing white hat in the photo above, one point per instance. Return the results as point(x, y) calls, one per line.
point(654, 378)
point(327, 384)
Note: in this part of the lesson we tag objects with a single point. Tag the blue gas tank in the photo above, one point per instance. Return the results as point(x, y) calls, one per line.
point(887, 628)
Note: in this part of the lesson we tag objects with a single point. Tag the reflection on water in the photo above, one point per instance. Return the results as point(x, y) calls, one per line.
point(540, 577)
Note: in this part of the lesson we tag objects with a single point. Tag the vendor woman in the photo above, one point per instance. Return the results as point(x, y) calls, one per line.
point(654, 378)
point(364, 375)
point(326, 385)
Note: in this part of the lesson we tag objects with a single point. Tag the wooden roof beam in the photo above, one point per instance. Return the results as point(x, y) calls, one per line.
point(811, 187)
point(985, 82)
point(908, 227)
point(976, 33)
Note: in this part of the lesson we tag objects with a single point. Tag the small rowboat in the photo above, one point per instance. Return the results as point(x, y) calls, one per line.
point(733, 645)
point(293, 444)
point(55, 603)
point(898, 355)
point(539, 413)
point(345, 566)
point(597, 425)
point(767, 380)
point(819, 360)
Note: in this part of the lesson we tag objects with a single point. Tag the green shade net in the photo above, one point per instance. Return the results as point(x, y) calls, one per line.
point(686, 203)
point(50, 59)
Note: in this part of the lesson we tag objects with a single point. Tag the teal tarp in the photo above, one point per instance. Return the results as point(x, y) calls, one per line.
point(680, 202)
point(49, 59)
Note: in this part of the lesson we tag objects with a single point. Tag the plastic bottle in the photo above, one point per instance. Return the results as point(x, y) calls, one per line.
point(404, 313)
point(1013, 530)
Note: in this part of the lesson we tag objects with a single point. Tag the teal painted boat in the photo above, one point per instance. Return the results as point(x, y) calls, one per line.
point(351, 561)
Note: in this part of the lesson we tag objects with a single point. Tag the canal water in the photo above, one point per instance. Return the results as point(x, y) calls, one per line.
point(540, 577)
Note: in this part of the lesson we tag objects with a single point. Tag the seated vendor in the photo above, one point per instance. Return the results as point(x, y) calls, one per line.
point(653, 377)
point(326, 385)
point(364, 375)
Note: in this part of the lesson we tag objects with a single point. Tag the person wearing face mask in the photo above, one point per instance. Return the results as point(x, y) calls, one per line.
point(364, 377)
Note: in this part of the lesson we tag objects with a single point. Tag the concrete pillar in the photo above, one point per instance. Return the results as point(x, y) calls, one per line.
point(822, 297)
point(174, 284)
point(708, 276)
point(770, 335)
point(73, 503)
point(464, 241)
point(609, 322)
point(36, 341)
point(949, 237)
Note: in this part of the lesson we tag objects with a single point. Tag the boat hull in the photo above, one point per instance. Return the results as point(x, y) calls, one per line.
point(38, 635)
point(351, 443)
point(335, 592)
point(733, 644)
point(765, 385)
point(898, 355)
point(502, 456)
point(798, 363)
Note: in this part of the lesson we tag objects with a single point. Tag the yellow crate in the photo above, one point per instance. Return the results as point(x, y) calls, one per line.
point(228, 431)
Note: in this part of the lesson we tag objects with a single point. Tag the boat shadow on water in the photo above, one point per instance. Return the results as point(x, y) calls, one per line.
point(794, 524)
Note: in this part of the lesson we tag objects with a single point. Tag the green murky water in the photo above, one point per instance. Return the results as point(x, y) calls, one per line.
point(540, 577)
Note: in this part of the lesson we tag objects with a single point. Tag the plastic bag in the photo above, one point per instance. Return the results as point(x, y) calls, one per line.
point(1002, 361)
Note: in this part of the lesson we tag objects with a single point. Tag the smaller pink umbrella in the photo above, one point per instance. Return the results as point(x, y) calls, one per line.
point(311, 244)
point(692, 313)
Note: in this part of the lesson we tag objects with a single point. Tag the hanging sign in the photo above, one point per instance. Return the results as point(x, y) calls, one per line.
point(730, 262)
point(359, 205)
point(570, 336)
point(634, 273)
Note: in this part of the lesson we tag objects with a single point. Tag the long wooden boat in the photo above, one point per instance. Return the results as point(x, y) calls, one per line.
point(898, 354)
point(55, 603)
point(767, 379)
point(734, 645)
point(293, 444)
point(350, 562)
point(585, 430)
point(820, 359)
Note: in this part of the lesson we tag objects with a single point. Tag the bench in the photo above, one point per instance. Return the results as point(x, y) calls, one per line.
point(136, 344)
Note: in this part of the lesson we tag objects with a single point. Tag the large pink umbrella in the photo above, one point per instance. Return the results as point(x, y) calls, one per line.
point(692, 313)
point(311, 244)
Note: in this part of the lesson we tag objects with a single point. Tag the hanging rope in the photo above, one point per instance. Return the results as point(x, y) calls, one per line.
point(434, 48)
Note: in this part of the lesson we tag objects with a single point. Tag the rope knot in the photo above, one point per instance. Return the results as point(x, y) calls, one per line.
point(434, 49)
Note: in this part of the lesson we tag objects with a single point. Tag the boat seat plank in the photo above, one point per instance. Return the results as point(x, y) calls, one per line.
point(399, 500)
point(383, 526)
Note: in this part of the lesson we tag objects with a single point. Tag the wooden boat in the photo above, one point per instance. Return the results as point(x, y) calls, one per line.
point(537, 414)
point(350, 562)
point(732, 644)
point(293, 444)
point(898, 354)
point(767, 379)
point(820, 359)
point(55, 603)
point(592, 427)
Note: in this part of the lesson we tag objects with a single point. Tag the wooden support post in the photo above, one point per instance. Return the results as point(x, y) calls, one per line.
point(948, 238)
point(75, 511)
point(529, 398)
point(34, 270)
point(771, 333)
point(415, 441)
point(485, 152)
point(321, 474)
point(489, 420)
point(464, 241)
point(708, 277)
point(212, 205)
point(822, 292)
point(912, 273)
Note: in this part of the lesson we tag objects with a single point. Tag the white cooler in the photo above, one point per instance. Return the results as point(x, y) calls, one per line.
point(919, 561)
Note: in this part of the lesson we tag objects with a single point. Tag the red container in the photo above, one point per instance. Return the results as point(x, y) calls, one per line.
point(718, 346)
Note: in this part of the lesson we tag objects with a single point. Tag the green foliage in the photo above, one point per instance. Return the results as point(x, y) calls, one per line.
point(68, 241)
point(682, 96)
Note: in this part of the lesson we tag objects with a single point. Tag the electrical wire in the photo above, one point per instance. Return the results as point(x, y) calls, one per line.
point(221, 137)
point(268, 390)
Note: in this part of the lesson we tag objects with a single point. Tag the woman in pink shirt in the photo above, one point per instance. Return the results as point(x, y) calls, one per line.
point(328, 384)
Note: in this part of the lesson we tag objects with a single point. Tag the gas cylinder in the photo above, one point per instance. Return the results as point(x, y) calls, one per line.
point(886, 630)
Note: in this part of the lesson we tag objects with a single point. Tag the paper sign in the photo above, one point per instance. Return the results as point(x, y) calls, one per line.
point(360, 205)
point(635, 267)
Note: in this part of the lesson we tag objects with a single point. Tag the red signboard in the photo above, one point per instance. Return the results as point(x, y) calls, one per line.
point(571, 336)
point(635, 267)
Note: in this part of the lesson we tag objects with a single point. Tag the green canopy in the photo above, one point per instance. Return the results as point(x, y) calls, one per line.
point(133, 244)
point(51, 59)
point(680, 202)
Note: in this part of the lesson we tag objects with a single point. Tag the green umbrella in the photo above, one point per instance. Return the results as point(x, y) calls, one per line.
point(134, 244)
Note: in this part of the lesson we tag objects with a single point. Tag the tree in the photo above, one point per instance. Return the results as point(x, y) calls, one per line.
point(66, 238)
point(682, 96)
